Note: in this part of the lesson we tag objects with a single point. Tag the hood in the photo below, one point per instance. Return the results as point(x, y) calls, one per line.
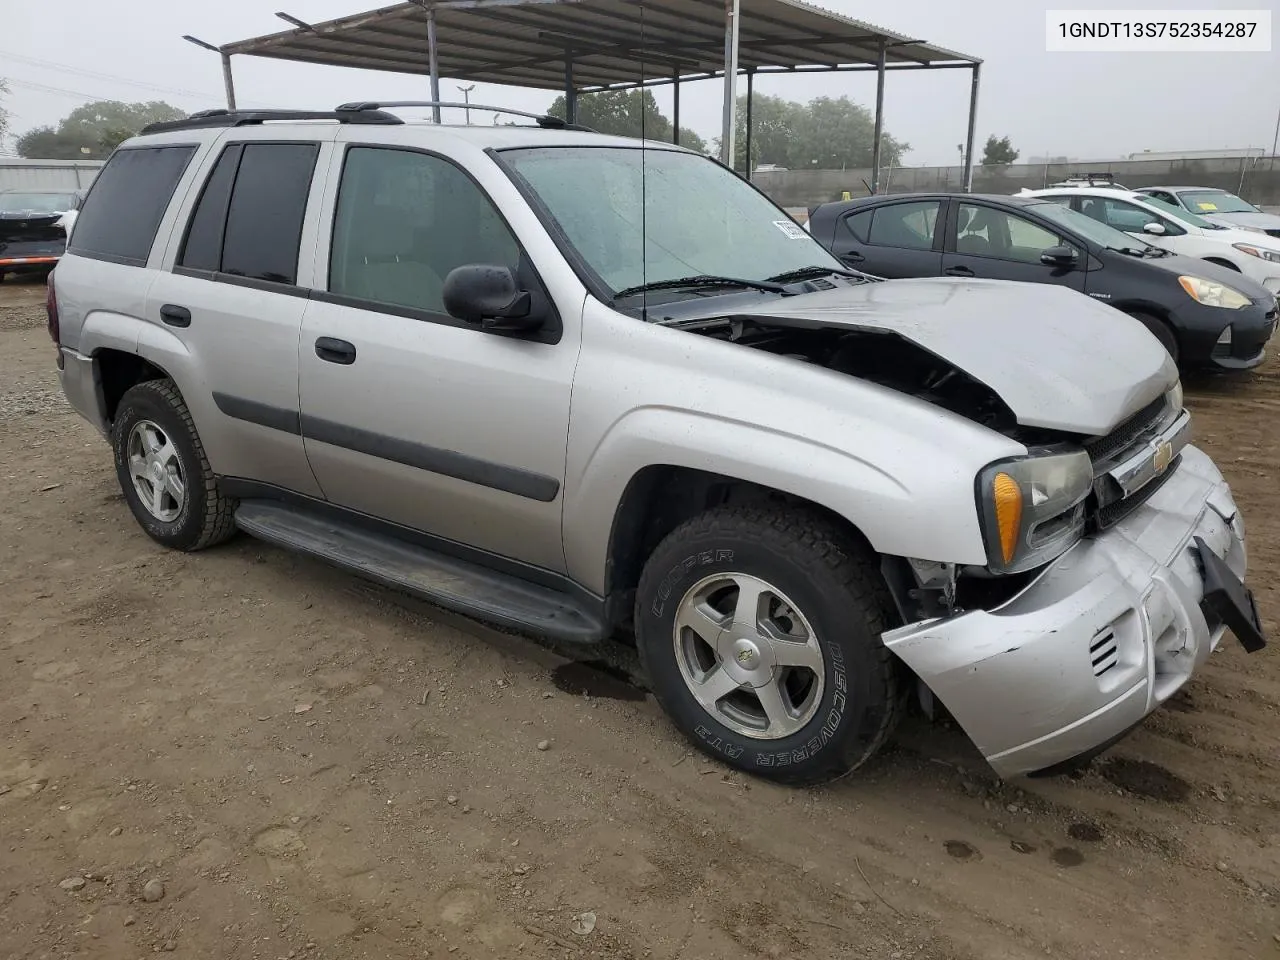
point(1259, 220)
point(1059, 359)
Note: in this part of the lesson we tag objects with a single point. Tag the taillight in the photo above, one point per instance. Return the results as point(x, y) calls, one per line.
point(51, 309)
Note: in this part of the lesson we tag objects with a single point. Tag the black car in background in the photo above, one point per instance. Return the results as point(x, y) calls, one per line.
point(1204, 314)
point(32, 238)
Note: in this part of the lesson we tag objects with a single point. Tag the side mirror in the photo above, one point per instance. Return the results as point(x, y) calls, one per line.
point(1153, 228)
point(1059, 256)
point(487, 294)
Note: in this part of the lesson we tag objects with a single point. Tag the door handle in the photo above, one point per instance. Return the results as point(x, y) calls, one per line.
point(852, 256)
point(335, 351)
point(175, 316)
point(958, 272)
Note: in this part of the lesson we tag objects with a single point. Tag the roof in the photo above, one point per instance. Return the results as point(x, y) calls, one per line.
point(1011, 199)
point(1161, 186)
point(609, 42)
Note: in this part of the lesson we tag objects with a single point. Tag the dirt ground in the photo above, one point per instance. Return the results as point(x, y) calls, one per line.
point(316, 768)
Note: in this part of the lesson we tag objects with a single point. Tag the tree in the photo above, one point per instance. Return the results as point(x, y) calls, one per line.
point(92, 131)
point(998, 152)
point(823, 134)
point(621, 112)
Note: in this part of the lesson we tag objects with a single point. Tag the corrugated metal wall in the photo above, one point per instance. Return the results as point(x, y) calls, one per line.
point(21, 174)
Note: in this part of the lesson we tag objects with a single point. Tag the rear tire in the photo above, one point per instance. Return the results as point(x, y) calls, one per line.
point(793, 684)
point(163, 471)
point(1160, 330)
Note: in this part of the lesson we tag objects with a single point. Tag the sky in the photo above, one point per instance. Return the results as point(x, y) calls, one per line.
point(58, 54)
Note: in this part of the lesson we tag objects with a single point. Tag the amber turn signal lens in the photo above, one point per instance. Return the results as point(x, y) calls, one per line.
point(1008, 503)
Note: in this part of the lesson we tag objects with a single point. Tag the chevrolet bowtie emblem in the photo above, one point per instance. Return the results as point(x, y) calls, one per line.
point(1163, 455)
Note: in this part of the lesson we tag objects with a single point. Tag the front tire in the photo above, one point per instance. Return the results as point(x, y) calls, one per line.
point(163, 471)
point(759, 630)
point(1160, 330)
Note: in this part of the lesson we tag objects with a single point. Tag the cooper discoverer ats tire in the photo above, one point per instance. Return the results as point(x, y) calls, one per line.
point(759, 630)
point(163, 471)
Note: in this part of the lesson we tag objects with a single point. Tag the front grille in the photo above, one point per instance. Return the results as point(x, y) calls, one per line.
point(1137, 429)
point(1103, 652)
point(1113, 513)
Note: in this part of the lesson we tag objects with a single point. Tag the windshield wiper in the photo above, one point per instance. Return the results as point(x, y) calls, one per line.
point(812, 273)
point(702, 280)
point(1130, 251)
point(1156, 252)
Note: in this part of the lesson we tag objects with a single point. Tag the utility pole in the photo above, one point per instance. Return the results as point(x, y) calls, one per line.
point(466, 98)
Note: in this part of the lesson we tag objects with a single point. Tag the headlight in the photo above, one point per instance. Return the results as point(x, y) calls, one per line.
point(1213, 294)
point(1032, 508)
point(1251, 250)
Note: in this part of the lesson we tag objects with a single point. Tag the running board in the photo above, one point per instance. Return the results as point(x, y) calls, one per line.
point(457, 585)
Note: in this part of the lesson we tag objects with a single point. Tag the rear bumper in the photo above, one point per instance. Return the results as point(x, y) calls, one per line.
point(82, 385)
point(1100, 639)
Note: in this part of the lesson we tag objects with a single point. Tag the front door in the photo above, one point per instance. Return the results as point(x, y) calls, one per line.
point(409, 415)
point(995, 244)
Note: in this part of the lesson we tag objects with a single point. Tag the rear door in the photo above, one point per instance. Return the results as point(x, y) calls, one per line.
point(895, 239)
point(232, 291)
point(994, 243)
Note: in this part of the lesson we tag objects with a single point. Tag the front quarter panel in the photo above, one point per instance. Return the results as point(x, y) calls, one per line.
point(899, 469)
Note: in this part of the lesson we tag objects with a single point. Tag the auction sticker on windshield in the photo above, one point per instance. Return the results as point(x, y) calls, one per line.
point(790, 229)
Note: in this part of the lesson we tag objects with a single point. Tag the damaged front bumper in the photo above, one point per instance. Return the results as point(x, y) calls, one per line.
point(1103, 636)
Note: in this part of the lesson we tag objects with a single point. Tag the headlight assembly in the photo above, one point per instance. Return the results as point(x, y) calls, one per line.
point(1270, 255)
point(1213, 294)
point(1032, 508)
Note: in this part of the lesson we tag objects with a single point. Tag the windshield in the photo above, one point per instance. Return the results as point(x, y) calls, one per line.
point(699, 219)
point(35, 202)
point(1215, 201)
point(1088, 227)
point(1177, 213)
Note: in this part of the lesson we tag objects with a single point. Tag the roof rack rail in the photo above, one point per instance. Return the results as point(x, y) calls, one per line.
point(240, 118)
point(541, 119)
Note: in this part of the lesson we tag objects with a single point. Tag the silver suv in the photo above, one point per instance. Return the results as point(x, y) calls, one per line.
point(591, 388)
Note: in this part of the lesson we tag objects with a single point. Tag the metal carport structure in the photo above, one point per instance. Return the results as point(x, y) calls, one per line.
point(582, 46)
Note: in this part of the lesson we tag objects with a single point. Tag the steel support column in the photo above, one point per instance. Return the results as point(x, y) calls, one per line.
point(675, 123)
point(973, 125)
point(879, 134)
point(751, 76)
point(728, 127)
point(227, 83)
point(570, 91)
point(432, 62)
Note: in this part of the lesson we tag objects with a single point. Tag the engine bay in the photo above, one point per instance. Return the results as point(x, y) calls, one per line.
point(881, 358)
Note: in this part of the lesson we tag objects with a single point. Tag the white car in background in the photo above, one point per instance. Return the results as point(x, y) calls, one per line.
point(1179, 231)
point(1219, 206)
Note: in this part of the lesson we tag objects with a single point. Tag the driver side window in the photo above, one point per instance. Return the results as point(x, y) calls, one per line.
point(988, 232)
point(404, 221)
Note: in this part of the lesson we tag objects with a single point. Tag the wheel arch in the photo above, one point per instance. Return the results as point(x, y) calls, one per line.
point(658, 498)
point(1222, 262)
point(118, 370)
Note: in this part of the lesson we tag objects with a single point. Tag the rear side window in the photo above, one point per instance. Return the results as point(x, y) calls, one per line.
point(859, 224)
point(248, 221)
point(122, 213)
point(908, 225)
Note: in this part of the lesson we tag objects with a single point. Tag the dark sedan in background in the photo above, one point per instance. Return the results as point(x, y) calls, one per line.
point(1205, 315)
point(32, 234)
